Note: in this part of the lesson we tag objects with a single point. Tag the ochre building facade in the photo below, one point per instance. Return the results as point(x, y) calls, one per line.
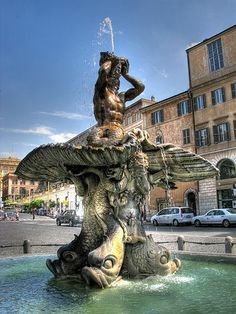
point(201, 119)
point(212, 87)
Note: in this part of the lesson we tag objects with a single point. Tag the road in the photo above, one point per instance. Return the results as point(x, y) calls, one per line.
point(43, 230)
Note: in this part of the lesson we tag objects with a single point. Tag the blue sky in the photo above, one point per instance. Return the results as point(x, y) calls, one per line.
point(49, 53)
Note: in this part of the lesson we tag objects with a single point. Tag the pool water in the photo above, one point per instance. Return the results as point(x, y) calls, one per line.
point(26, 286)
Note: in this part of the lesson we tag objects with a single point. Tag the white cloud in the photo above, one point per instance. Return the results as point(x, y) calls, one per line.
point(6, 154)
point(66, 115)
point(29, 144)
point(43, 130)
point(62, 137)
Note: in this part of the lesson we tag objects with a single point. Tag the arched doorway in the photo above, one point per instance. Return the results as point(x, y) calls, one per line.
point(191, 201)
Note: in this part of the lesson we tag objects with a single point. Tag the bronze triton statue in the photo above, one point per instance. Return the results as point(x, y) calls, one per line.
point(109, 104)
point(113, 173)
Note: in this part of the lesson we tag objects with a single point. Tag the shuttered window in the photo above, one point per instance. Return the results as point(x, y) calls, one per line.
point(218, 96)
point(233, 90)
point(157, 117)
point(221, 132)
point(199, 102)
point(186, 136)
point(215, 55)
point(183, 108)
point(159, 139)
point(202, 137)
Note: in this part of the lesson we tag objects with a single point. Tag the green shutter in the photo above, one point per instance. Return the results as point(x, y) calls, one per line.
point(215, 134)
point(228, 131)
point(223, 93)
point(233, 89)
point(152, 118)
point(197, 138)
point(179, 109)
point(213, 98)
point(204, 100)
point(162, 115)
point(184, 137)
point(208, 136)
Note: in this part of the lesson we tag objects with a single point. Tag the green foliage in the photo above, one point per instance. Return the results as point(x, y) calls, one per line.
point(52, 204)
point(8, 202)
point(37, 203)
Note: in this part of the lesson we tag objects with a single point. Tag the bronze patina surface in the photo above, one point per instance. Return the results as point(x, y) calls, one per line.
point(113, 173)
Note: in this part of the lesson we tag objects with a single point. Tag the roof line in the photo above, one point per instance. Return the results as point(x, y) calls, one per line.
point(212, 37)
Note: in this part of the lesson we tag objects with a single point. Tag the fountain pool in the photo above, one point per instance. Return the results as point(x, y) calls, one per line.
point(199, 287)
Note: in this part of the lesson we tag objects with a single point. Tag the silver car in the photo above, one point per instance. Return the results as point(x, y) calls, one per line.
point(173, 216)
point(218, 216)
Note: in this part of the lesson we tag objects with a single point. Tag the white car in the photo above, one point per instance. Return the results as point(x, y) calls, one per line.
point(173, 216)
point(218, 216)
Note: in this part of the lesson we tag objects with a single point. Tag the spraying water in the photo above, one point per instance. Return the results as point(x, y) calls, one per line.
point(106, 28)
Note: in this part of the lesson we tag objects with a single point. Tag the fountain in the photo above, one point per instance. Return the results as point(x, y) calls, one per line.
point(200, 287)
point(113, 173)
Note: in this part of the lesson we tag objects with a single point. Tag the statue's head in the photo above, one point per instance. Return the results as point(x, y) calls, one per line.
point(106, 56)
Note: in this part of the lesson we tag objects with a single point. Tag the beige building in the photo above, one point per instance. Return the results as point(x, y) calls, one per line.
point(171, 121)
point(15, 188)
point(7, 165)
point(212, 79)
point(133, 117)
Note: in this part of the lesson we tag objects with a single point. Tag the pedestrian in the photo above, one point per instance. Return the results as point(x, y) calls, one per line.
point(5, 216)
point(33, 213)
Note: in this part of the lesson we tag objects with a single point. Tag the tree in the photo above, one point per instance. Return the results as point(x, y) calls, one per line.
point(52, 204)
point(37, 203)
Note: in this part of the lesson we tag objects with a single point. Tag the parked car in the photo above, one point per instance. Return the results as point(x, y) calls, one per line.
point(173, 216)
point(42, 212)
point(9, 215)
point(218, 216)
point(1, 215)
point(70, 217)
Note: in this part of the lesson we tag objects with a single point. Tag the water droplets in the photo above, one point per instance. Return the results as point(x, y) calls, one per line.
point(106, 29)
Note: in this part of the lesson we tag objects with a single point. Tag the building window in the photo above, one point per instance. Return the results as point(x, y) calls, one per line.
point(183, 108)
point(202, 137)
point(227, 169)
point(134, 118)
point(233, 90)
point(22, 192)
point(129, 120)
point(218, 96)
point(199, 102)
point(157, 116)
point(186, 136)
point(138, 116)
point(221, 132)
point(224, 198)
point(215, 55)
point(159, 139)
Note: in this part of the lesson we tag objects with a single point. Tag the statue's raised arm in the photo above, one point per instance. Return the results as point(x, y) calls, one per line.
point(109, 103)
point(138, 86)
